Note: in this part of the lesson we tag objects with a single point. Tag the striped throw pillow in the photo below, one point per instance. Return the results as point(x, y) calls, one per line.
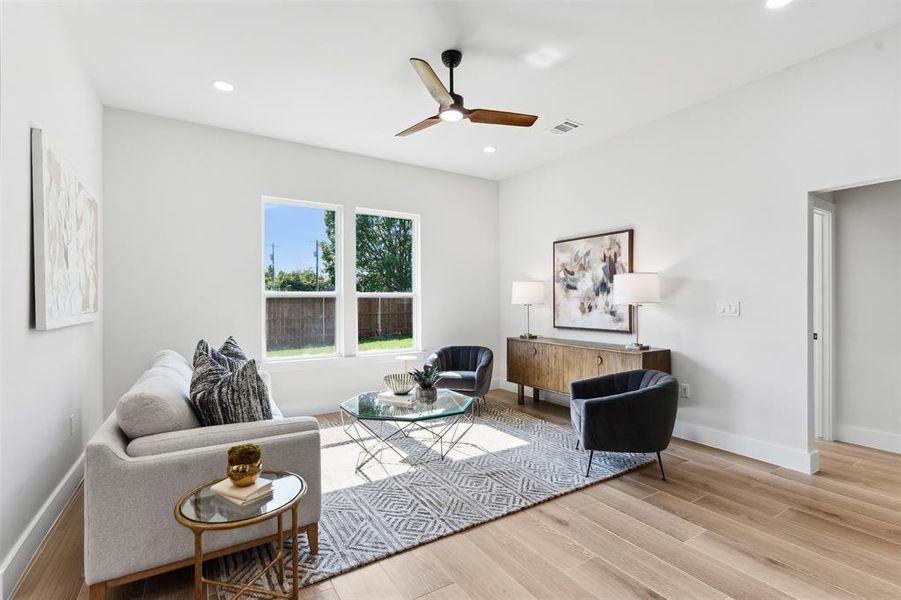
point(221, 397)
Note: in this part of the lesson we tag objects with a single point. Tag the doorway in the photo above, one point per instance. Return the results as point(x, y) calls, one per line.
point(855, 315)
point(822, 211)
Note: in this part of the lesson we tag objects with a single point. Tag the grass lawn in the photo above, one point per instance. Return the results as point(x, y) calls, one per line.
point(368, 345)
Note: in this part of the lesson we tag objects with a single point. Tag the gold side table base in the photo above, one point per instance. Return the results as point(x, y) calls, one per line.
point(277, 561)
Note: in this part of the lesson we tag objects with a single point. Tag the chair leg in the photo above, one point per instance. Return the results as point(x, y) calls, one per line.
point(578, 442)
point(590, 456)
point(660, 462)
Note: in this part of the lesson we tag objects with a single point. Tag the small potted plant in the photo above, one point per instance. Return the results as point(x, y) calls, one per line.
point(245, 462)
point(425, 383)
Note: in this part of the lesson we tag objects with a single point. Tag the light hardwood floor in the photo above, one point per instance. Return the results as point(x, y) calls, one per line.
point(720, 526)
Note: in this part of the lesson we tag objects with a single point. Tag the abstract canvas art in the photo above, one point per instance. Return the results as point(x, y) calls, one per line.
point(66, 263)
point(583, 281)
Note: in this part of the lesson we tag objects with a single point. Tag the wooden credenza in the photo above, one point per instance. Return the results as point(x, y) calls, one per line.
point(552, 364)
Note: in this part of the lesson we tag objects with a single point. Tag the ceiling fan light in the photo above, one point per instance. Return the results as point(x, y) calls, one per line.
point(451, 115)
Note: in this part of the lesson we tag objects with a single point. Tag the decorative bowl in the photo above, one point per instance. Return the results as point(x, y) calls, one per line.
point(245, 474)
point(399, 383)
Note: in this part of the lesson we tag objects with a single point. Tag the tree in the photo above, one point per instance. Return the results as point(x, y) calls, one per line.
point(384, 254)
point(303, 280)
point(327, 252)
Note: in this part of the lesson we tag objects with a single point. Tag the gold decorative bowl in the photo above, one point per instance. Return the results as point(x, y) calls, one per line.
point(244, 475)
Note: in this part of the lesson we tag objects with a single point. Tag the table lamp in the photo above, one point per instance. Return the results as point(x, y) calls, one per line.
point(636, 289)
point(528, 293)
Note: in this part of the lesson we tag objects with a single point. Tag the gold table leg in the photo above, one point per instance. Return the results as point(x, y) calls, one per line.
point(294, 588)
point(280, 550)
point(198, 565)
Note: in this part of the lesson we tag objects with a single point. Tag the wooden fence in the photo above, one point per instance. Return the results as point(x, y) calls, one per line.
point(310, 322)
point(383, 317)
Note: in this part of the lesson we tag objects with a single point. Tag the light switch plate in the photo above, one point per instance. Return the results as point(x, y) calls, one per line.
point(731, 308)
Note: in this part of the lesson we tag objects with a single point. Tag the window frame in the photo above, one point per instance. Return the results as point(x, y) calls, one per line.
point(337, 294)
point(414, 294)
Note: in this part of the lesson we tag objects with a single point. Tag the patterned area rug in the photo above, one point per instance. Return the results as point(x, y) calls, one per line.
point(508, 461)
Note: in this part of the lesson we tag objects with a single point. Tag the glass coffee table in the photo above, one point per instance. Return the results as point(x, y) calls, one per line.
point(445, 421)
point(201, 510)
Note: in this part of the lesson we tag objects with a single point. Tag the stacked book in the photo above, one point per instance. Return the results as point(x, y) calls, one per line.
point(242, 495)
point(389, 397)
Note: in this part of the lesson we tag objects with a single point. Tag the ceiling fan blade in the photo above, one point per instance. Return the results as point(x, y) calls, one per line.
point(419, 126)
point(499, 117)
point(431, 82)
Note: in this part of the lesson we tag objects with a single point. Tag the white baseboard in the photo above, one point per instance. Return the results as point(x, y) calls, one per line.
point(499, 383)
point(16, 561)
point(790, 458)
point(783, 456)
point(871, 438)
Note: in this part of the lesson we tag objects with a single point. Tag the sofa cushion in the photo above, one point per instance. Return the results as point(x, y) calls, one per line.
point(221, 397)
point(267, 380)
point(159, 400)
point(175, 441)
point(457, 380)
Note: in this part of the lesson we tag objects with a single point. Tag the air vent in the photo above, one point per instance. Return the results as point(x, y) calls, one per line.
point(565, 127)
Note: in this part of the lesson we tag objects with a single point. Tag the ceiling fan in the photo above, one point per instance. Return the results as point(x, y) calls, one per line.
point(450, 105)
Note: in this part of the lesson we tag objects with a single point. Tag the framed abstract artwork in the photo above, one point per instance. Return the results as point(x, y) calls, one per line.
point(583, 281)
point(66, 262)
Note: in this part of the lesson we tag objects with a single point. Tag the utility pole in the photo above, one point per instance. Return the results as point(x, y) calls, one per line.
point(316, 254)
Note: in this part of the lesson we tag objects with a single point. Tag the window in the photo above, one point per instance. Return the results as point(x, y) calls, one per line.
point(301, 265)
point(387, 300)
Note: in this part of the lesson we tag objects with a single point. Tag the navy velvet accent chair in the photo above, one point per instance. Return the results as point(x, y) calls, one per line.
point(464, 369)
point(634, 411)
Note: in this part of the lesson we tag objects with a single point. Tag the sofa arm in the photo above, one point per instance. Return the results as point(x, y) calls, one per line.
point(129, 502)
point(484, 370)
point(432, 361)
point(201, 437)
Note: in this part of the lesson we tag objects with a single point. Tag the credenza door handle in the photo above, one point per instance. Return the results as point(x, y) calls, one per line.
point(534, 350)
point(600, 360)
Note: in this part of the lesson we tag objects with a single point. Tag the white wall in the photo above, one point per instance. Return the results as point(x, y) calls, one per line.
point(868, 315)
point(47, 375)
point(717, 195)
point(184, 247)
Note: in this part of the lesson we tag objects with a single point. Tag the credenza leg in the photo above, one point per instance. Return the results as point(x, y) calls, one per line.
point(535, 395)
point(520, 394)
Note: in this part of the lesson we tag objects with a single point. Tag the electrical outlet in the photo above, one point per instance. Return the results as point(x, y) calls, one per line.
point(684, 391)
point(73, 424)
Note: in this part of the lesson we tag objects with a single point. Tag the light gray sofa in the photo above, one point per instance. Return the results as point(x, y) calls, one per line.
point(133, 482)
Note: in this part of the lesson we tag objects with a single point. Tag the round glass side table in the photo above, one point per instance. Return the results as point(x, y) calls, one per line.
point(201, 510)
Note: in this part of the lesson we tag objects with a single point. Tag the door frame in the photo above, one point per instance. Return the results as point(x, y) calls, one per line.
point(824, 406)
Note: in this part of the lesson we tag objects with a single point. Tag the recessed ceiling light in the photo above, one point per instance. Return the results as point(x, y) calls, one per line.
point(544, 58)
point(223, 86)
point(777, 3)
point(489, 149)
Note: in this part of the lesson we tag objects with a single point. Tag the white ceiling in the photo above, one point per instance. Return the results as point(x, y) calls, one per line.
point(335, 74)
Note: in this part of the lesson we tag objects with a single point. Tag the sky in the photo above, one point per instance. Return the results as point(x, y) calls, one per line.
point(293, 230)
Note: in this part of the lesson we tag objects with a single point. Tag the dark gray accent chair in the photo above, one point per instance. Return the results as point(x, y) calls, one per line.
point(633, 411)
point(464, 369)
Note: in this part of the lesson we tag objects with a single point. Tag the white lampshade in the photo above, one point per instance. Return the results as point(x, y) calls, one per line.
point(636, 288)
point(528, 292)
